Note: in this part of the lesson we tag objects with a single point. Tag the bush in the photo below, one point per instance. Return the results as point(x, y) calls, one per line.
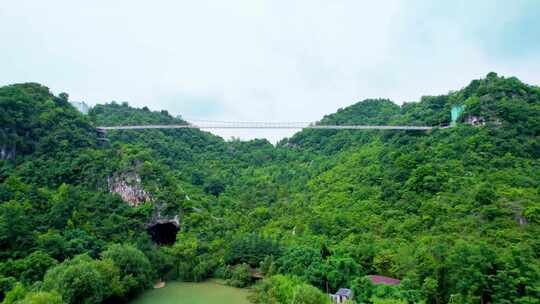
point(308, 294)
point(287, 289)
point(215, 187)
point(135, 269)
point(223, 272)
point(42, 298)
point(30, 269)
point(6, 284)
point(240, 276)
point(16, 294)
point(83, 280)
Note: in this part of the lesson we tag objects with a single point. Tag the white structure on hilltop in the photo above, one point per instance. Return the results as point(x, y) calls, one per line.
point(81, 106)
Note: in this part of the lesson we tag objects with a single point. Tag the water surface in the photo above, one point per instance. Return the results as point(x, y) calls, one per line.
point(193, 293)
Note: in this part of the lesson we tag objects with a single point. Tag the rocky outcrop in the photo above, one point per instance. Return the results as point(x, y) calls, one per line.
point(160, 218)
point(161, 227)
point(165, 220)
point(7, 152)
point(521, 220)
point(129, 186)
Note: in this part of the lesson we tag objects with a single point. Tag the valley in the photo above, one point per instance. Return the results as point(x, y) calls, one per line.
point(444, 215)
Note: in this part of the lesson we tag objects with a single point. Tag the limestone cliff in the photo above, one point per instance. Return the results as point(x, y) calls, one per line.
point(129, 186)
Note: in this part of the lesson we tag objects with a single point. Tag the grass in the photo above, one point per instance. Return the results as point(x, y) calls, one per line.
point(193, 293)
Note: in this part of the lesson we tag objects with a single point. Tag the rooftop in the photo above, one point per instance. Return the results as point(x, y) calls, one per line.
point(378, 279)
point(344, 292)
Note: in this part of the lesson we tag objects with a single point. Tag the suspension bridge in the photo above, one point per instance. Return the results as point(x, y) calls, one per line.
point(265, 125)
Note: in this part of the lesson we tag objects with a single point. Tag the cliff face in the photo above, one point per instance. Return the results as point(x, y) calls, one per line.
point(129, 186)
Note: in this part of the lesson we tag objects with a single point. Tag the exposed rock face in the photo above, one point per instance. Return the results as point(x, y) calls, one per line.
point(519, 216)
point(162, 228)
point(128, 185)
point(521, 220)
point(7, 152)
point(159, 218)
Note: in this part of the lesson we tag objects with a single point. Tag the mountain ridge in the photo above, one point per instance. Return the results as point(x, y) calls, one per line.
point(452, 212)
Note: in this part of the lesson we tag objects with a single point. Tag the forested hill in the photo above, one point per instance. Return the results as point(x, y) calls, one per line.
point(498, 100)
point(454, 213)
point(35, 121)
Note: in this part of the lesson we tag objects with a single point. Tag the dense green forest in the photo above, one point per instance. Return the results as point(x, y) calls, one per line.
point(454, 213)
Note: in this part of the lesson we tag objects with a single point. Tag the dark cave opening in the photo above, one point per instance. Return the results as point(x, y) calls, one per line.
point(163, 233)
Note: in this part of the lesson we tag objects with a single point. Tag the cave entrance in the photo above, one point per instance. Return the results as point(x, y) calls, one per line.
point(163, 233)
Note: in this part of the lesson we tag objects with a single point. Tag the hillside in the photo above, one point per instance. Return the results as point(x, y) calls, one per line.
point(454, 213)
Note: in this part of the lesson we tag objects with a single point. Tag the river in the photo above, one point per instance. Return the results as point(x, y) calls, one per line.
point(193, 293)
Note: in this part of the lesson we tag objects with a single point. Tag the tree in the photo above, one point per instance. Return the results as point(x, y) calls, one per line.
point(79, 280)
point(215, 187)
point(485, 194)
point(64, 96)
point(16, 294)
point(6, 284)
point(453, 212)
point(240, 276)
point(30, 269)
point(15, 232)
point(307, 294)
point(135, 268)
point(252, 249)
point(41, 298)
point(286, 289)
point(53, 243)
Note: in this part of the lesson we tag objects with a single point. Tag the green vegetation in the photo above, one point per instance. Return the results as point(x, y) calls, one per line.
point(285, 289)
point(454, 213)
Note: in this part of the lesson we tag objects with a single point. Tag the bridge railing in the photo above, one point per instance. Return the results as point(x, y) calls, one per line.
point(264, 125)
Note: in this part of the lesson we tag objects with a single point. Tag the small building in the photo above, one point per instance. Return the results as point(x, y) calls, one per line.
point(81, 106)
point(378, 279)
point(342, 295)
point(476, 120)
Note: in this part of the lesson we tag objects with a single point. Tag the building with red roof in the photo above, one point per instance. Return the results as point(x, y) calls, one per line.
point(378, 279)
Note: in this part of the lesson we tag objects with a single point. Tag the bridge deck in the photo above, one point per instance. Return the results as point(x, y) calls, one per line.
point(265, 126)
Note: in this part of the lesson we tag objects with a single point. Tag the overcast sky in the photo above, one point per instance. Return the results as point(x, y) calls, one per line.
point(251, 60)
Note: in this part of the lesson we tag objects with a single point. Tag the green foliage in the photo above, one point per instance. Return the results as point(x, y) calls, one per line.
point(214, 187)
point(251, 249)
point(29, 269)
point(453, 212)
point(15, 295)
point(240, 276)
point(41, 298)
point(83, 280)
point(285, 289)
point(20, 295)
point(15, 232)
point(190, 260)
point(135, 269)
point(6, 284)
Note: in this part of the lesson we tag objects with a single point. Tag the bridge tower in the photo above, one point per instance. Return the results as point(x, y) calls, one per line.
point(456, 113)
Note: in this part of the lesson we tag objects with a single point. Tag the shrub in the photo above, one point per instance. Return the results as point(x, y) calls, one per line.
point(135, 268)
point(240, 276)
